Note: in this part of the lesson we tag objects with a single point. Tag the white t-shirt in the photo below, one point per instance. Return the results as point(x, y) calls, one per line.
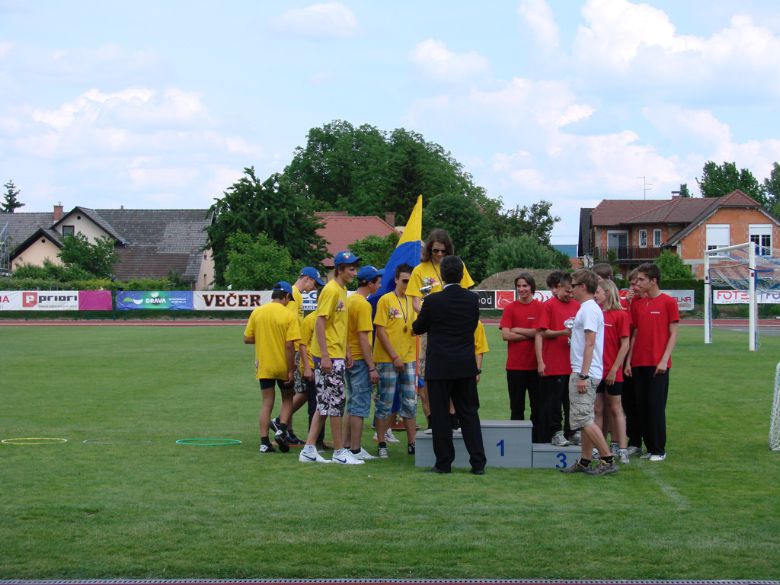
point(588, 318)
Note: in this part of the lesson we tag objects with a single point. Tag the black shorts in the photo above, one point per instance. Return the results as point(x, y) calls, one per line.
point(615, 390)
point(268, 384)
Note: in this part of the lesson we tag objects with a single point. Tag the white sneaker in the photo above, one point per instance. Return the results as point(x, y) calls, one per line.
point(309, 455)
point(344, 457)
point(363, 455)
point(576, 439)
point(382, 452)
point(428, 431)
point(390, 437)
point(559, 440)
point(657, 457)
point(623, 456)
point(645, 456)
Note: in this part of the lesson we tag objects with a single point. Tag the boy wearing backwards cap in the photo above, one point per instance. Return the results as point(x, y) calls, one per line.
point(362, 375)
point(272, 329)
point(331, 357)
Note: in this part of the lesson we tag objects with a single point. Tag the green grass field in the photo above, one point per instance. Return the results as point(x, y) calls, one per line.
point(132, 504)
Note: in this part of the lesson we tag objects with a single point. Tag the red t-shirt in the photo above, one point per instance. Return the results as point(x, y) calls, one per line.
point(555, 352)
point(521, 355)
point(651, 317)
point(617, 324)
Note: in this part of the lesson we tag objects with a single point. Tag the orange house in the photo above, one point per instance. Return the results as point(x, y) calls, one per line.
point(631, 232)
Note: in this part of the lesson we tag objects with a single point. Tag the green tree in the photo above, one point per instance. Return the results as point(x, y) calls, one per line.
point(524, 252)
point(256, 263)
point(672, 266)
point(534, 220)
point(375, 250)
point(718, 180)
point(11, 201)
point(684, 191)
point(467, 226)
point(96, 258)
point(272, 207)
point(771, 188)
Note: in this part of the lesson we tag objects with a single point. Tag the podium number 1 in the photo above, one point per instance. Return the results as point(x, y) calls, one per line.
point(500, 446)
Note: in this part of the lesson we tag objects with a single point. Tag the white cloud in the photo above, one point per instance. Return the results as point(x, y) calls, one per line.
point(539, 18)
point(326, 20)
point(5, 48)
point(434, 60)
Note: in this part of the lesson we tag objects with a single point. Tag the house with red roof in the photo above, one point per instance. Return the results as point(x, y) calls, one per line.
point(632, 231)
point(340, 230)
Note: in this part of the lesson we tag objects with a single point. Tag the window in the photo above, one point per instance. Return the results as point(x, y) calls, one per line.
point(68, 230)
point(656, 238)
point(643, 238)
point(618, 242)
point(761, 236)
point(718, 235)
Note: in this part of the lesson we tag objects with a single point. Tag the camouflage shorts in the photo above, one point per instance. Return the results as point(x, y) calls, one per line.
point(581, 405)
point(331, 395)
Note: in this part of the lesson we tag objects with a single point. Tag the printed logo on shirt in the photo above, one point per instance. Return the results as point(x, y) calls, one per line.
point(340, 307)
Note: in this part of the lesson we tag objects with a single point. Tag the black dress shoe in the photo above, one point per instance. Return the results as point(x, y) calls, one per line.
point(435, 469)
point(478, 471)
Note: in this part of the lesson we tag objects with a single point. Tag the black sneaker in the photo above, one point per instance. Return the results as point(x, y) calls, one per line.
point(266, 448)
point(410, 449)
point(281, 440)
point(293, 440)
point(274, 424)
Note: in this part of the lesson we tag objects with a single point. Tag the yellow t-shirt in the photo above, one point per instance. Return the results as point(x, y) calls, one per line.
point(426, 274)
point(307, 335)
point(358, 319)
point(332, 304)
point(295, 306)
point(480, 339)
point(272, 325)
point(395, 314)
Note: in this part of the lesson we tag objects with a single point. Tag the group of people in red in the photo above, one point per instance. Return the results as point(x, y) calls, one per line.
point(592, 363)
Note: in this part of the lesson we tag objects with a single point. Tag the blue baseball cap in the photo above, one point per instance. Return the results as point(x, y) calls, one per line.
point(283, 286)
point(312, 273)
point(369, 273)
point(345, 257)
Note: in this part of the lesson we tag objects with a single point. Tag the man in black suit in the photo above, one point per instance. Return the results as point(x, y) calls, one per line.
point(449, 318)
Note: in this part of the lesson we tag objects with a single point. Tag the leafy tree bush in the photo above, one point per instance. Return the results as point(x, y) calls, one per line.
point(672, 266)
point(375, 250)
point(256, 264)
point(96, 259)
point(524, 252)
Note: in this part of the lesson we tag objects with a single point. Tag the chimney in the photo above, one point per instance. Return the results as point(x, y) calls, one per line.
point(676, 195)
point(390, 218)
point(57, 215)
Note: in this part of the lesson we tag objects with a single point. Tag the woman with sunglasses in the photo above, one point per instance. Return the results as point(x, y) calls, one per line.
point(426, 279)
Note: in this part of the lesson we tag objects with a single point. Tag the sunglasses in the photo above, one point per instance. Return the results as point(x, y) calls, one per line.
point(405, 280)
point(439, 250)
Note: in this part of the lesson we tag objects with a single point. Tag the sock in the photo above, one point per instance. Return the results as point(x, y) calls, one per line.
point(355, 451)
point(309, 448)
point(265, 441)
point(382, 445)
point(608, 459)
point(584, 462)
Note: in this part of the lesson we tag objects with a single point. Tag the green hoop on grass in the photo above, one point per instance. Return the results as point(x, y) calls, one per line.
point(208, 442)
point(34, 441)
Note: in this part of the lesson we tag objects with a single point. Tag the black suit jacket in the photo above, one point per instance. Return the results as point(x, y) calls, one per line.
point(449, 318)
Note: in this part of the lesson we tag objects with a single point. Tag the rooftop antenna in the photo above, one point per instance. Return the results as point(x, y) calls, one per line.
point(645, 187)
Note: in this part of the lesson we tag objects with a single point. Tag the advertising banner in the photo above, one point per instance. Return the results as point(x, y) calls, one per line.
point(229, 300)
point(505, 297)
point(95, 300)
point(741, 297)
point(487, 299)
point(171, 300)
point(684, 298)
point(54, 300)
point(10, 300)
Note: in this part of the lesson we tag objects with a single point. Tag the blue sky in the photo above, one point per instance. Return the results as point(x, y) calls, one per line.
point(162, 104)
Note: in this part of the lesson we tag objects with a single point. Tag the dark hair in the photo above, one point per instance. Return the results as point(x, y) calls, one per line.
point(278, 293)
point(586, 277)
point(651, 271)
point(367, 282)
point(556, 277)
point(401, 268)
point(441, 236)
point(451, 269)
point(604, 270)
point(342, 267)
point(529, 278)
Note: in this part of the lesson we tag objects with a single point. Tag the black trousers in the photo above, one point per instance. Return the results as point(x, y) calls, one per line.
point(519, 382)
point(463, 393)
point(631, 408)
point(555, 390)
point(652, 391)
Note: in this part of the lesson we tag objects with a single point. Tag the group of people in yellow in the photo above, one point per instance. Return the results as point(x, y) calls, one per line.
point(334, 357)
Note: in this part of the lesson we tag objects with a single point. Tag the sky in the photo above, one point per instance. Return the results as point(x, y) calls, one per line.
point(151, 104)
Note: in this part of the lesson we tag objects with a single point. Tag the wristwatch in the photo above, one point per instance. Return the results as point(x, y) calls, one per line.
point(583, 376)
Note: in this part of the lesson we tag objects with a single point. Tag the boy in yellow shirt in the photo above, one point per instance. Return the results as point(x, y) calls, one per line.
point(273, 329)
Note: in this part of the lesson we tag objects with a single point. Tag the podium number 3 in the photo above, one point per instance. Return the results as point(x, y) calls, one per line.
point(562, 460)
point(500, 446)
